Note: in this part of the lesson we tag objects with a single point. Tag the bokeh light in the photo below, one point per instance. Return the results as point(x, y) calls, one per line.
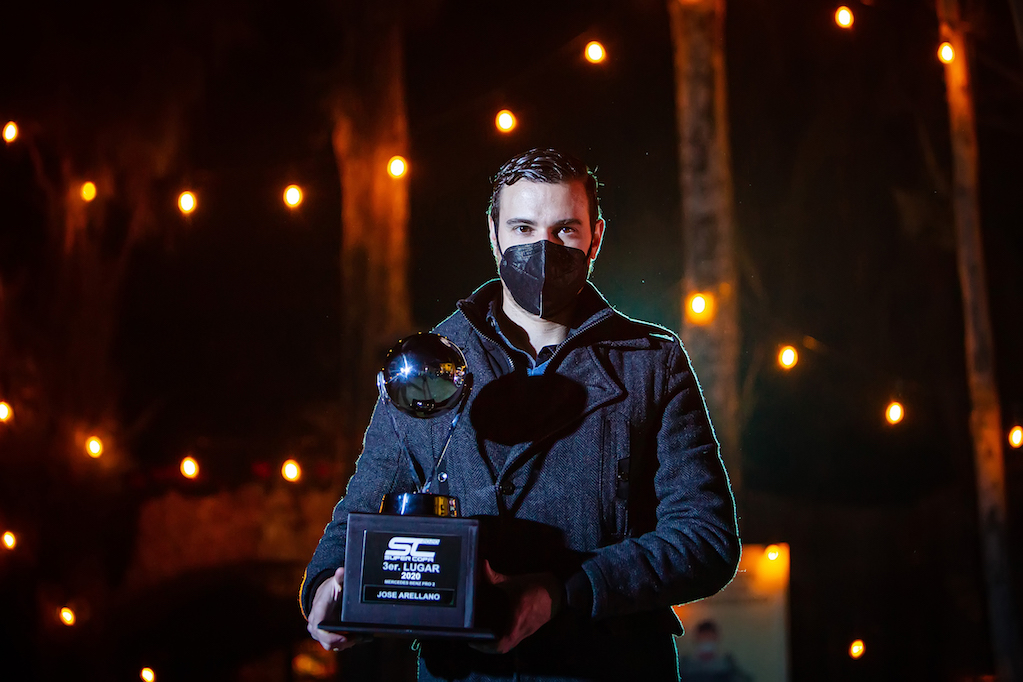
point(946, 53)
point(856, 648)
point(788, 357)
point(88, 191)
point(9, 540)
point(186, 202)
point(189, 467)
point(10, 132)
point(292, 195)
point(700, 308)
point(595, 52)
point(94, 446)
point(894, 413)
point(1016, 436)
point(844, 17)
point(5, 412)
point(291, 471)
point(147, 675)
point(772, 552)
point(397, 166)
point(505, 121)
point(67, 616)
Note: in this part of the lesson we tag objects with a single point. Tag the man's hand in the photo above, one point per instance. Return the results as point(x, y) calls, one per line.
point(325, 602)
point(533, 599)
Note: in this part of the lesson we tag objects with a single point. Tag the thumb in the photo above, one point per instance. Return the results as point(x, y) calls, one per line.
point(339, 581)
point(493, 577)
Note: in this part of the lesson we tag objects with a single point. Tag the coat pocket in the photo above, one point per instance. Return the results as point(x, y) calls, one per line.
point(615, 464)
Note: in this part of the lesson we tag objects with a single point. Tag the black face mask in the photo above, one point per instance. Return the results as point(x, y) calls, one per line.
point(543, 277)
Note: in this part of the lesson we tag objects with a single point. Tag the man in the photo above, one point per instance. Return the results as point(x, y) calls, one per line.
point(587, 454)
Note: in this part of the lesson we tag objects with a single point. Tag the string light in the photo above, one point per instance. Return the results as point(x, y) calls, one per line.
point(788, 357)
point(186, 202)
point(505, 121)
point(844, 17)
point(292, 195)
point(94, 446)
point(189, 467)
point(9, 540)
point(1016, 436)
point(700, 308)
point(397, 166)
point(147, 675)
point(946, 53)
point(894, 413)
point(856, 649)
point(88, 191)
point(10, 132)
point(5, 412)
point(291, 471)
point(772, 552)
point(67, 616)
point(595, 53)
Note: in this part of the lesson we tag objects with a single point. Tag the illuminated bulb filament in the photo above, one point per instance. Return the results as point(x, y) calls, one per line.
point(844, 17)
point(397, 166)
point(10, 540)
point(946, 53)
point(595, 52)
point(94, 446)
point(293, 195)
point(5, 412)
point(894, 413)
point(10, 132)
point(856, 648)
point(1016, 436)
point(291, 471)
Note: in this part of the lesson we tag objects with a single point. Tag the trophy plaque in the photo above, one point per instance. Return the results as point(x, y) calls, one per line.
point(411, 570)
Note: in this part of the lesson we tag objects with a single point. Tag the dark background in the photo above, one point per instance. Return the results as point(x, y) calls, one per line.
point(225, 328)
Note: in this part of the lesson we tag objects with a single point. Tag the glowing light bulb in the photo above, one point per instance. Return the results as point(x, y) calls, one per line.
point(595, 52)
point(1016, 436)
point(844, 17)
point(894, 413)
point(292, 195)
point(67, 616)
point(397, 166)
point(10, 132)
point(291, 471)
point(9, 540)
point(505, 121)
point(772, 552)
point(788, 357)
point(856, 649)
point(946, 53)
point(94, 446)
point(88, 191)
point(5, 412)
point(189, 467)
point(147, 675)
point(186, 202)
point(700, 308)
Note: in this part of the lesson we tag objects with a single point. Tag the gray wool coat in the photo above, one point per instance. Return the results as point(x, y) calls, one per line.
point(604, 470)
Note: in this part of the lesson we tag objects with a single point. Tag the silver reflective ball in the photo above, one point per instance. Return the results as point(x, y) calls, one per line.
point(424, 375)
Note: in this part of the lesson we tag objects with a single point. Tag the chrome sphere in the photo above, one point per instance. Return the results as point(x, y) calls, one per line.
point(424, 375)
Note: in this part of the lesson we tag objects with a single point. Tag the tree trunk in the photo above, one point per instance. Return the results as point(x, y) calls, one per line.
point(370, 127)
point(985, 417)
point(697, 31)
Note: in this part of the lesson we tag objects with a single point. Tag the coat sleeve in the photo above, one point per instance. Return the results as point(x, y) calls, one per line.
point(383, 467)
point(693, 550)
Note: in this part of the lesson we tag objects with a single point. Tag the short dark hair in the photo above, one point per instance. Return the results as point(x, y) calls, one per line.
point(549, 166)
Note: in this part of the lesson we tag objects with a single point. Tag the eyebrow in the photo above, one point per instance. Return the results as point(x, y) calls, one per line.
point(527, 221)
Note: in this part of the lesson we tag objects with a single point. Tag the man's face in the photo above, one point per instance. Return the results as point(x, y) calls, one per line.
point(534, 211)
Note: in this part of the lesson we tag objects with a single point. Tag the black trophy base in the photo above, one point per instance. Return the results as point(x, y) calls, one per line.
point(472, 634)
point(411, 576)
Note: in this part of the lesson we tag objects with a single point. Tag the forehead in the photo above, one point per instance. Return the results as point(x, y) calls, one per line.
point(544, 200)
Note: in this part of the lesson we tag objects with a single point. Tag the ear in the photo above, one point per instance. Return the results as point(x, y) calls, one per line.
point(492, 229)
point(598, 239)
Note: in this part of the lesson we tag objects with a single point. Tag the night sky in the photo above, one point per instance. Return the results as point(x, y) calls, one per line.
point(226, 333)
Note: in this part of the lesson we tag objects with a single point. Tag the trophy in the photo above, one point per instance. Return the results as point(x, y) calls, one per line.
point(411, 570)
